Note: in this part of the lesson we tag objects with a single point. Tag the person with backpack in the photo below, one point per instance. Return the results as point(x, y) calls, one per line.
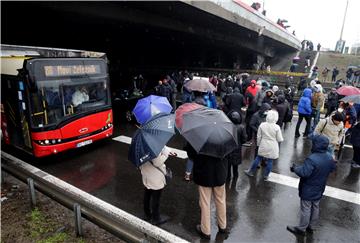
point(332, 128)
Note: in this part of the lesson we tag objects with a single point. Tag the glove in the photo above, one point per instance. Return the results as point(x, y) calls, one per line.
point(292, 168)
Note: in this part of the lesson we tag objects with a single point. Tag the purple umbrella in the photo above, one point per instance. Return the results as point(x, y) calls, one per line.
point(149, 106)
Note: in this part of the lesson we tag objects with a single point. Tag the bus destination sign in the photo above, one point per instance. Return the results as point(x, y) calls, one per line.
point(58, 70)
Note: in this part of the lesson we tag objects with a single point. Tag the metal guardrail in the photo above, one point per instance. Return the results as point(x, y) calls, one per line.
point(103, 214)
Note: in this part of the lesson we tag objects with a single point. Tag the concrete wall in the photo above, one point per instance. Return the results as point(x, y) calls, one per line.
point(240, 13)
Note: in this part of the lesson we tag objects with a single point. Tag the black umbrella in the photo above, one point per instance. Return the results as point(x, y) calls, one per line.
point(210, 132)
point(150, 139)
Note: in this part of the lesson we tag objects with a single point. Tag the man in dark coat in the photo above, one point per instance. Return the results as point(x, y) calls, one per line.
point(313, 175)
point(332, 102)
point(235, 157)
point(235, 101)
point(355, 141)
point(210, 173)
point(257, 119)
point(282, 108)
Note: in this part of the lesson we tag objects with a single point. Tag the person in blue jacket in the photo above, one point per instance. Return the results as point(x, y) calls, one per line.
point(304, 110)
point(313, 176)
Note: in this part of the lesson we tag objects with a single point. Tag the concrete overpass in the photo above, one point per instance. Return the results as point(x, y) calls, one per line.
point(134, 35)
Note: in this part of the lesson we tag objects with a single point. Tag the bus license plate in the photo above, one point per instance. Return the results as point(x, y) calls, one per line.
point(83, 143)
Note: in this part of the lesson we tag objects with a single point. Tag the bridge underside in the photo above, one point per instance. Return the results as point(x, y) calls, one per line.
point(138, 35)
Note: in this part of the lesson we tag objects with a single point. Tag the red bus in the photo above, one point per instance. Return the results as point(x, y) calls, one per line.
point(52, 99)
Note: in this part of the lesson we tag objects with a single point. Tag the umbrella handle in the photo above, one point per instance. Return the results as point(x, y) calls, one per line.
point(173, 154)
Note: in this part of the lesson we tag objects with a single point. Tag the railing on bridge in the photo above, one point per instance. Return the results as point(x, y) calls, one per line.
point(105, 215)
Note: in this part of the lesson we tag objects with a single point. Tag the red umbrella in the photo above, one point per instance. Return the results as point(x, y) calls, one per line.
point(348, 90)
point(181, 110)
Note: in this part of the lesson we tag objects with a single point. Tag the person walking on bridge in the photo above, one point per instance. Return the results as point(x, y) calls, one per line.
point(313, 176)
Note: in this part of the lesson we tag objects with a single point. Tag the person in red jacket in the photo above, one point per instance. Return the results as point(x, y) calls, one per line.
point(252, 89)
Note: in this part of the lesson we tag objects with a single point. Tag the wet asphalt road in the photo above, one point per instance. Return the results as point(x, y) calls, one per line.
point(257, 211)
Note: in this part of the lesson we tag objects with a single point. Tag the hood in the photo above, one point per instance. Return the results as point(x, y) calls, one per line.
point(281, 99)
point(307, 93)
point(236, 90)
point(318, 87)
point(253, 82)
point(269, 90)
point(312, 83)
point(320, 144)
point(272, 116)
point(235, 117)
point(264, 107)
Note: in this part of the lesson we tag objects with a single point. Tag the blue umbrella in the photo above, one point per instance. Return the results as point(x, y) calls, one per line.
point(150, 139)
point(149, 106)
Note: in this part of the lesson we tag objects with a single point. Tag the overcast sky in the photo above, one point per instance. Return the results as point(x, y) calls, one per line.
point(317, 20)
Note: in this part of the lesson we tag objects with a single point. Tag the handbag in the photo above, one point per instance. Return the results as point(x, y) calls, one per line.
point(168, 175)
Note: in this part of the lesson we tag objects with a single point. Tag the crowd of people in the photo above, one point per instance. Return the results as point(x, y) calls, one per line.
point(260, 112)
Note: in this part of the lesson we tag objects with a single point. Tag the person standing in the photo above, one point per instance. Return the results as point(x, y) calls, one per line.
point(283, 108)
point(318, 47)
point(325, 73)
point(258, 118)
point(313, 176)
point(235, 101)
point(355, 141)
point(268, 138)
point(335, 72)
point(235, 156)
point(304, 110)
point(332, 101)
point(317, 103)
point(153, 177)
point(210, 174)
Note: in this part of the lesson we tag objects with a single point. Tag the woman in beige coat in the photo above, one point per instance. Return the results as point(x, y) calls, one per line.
point(268, 138)
point(153, 177)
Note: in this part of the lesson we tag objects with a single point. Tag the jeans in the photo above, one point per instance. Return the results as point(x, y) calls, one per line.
point(308, 124)
point(316, 120)
point(331, 150)
point(152, 203)
point(257, 161)
point(189, 166)
point(186, 97)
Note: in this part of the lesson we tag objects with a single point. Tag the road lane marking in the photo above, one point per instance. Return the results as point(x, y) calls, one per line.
point(333, 192)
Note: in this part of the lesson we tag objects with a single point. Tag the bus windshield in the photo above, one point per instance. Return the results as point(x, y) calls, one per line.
point(60, 99)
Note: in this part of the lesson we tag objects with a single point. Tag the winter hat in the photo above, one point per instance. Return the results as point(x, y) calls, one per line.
point(318, 87)
point(312, 83)
point(235, 117)
point(275, 88)
point(338, 116)
point(253, 81)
